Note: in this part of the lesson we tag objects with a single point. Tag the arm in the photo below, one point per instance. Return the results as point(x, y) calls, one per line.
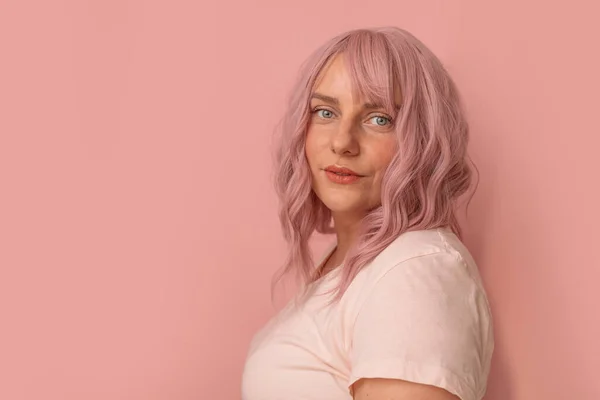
point(396, 389)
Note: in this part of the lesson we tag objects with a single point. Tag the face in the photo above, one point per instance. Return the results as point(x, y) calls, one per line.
point(349, 144)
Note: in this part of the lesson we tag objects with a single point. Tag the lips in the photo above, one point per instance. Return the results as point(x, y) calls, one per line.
point(341, 171)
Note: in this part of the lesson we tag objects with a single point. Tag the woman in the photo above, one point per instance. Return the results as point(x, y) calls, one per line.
point(373, 149)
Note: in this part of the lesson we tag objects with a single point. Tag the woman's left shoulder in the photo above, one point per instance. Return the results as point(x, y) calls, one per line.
point(428, 251)
point(420, 304)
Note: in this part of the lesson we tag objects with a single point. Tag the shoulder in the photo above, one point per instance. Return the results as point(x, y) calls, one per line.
point(418, 305)
point(429, 251)
point(426, 265)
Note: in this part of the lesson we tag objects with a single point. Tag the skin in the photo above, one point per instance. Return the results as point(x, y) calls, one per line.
point(348, 132)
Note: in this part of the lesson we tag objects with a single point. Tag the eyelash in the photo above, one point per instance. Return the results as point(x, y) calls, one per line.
point(390, 120)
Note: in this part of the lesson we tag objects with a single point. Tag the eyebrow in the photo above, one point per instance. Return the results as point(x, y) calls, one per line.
point(335, 101)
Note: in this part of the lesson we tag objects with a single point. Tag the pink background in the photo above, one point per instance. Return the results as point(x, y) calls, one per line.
point(138, 230)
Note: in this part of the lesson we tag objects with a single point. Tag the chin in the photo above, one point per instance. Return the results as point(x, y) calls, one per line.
point(342, 205)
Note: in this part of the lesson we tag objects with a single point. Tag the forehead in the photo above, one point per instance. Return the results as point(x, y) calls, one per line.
point(336, 79)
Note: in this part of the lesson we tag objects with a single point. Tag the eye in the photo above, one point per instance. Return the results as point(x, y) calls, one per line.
point(380, 120)
point(324, 113)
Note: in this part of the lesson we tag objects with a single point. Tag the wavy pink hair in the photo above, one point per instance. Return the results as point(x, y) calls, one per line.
point(424, 180)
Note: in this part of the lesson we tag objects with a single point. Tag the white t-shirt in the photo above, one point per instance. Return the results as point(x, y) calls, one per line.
point(417, 312)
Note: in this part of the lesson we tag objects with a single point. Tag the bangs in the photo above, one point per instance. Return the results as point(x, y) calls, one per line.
point(373, 70)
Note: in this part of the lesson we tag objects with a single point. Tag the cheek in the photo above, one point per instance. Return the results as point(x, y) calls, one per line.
point(313, 146)
point(386, 150)
point(309, 148)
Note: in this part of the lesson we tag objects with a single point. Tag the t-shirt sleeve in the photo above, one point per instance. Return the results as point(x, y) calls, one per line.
point(427, 321)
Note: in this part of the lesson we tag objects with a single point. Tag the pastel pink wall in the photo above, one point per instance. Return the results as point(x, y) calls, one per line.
point(138, 230)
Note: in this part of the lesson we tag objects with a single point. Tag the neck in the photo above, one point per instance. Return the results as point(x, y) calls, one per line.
point(346, 230)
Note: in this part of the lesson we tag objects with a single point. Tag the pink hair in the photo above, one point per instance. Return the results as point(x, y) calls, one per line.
point(424, 180)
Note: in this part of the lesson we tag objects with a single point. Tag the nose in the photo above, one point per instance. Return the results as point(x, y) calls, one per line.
point(344, 141)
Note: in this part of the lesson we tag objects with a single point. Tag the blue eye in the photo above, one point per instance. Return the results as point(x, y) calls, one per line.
point(381, 120)
point(325, 114)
